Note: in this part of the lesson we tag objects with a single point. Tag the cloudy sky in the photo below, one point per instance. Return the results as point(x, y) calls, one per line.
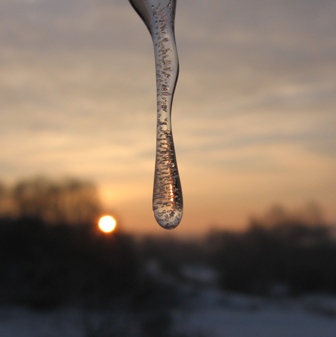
point(254, 114)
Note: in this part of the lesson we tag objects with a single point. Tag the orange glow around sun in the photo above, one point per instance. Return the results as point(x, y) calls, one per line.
point(107, 224)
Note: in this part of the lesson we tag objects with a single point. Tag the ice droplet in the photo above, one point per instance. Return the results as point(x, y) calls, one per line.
point(159, 18)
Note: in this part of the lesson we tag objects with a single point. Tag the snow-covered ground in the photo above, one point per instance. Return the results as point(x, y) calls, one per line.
point(214, 314)
point(208, 313)
point(22, 322)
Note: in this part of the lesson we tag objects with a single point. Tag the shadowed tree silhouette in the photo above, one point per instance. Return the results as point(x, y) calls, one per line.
point(70, 201)
point(293, 251)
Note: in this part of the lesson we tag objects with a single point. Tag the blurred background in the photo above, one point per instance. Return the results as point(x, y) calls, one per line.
point(68, 271)
point(253, 118)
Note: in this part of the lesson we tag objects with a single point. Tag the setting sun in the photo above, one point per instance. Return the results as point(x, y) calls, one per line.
point(107, 224)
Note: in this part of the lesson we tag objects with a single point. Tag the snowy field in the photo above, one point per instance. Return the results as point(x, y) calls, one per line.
point(208, 313)
point(240, 316)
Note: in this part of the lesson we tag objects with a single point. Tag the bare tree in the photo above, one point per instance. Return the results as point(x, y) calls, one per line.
point(70, 201)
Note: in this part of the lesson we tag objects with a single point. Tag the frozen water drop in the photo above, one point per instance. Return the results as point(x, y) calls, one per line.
point(159, 18)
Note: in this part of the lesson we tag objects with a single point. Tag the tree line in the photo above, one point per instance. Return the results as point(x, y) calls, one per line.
point(67, 201)
point(283, 253)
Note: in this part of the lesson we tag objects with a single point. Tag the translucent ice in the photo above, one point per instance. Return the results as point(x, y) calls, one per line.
point(159, 18)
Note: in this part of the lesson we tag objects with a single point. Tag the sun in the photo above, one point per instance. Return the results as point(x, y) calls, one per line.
point(107, 223)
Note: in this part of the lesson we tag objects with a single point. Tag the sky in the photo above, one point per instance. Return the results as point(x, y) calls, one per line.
point(254, 112)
